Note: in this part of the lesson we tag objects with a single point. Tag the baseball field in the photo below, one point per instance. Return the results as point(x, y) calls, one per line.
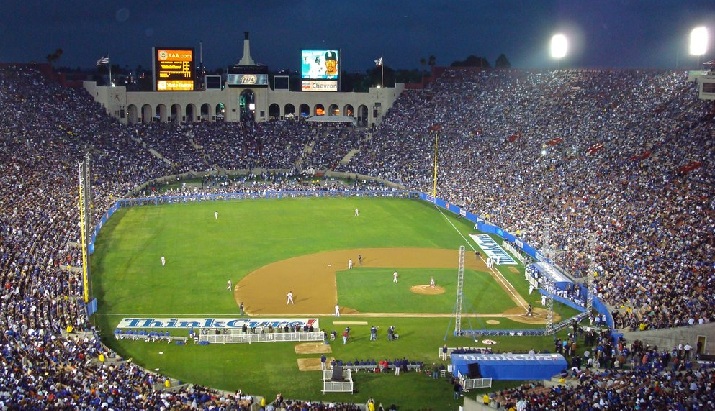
point(267, 248)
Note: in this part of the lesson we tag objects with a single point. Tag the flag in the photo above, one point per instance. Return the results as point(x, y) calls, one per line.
point(103, 60)
point(378, 62)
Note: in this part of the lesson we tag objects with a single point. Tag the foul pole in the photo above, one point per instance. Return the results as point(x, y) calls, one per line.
point(83, 233)
point(84, 220)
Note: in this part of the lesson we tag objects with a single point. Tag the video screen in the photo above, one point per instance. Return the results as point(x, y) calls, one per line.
point(320, 64)
point(174, 68)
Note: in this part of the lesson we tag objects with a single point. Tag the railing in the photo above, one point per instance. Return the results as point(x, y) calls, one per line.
point(247, 338)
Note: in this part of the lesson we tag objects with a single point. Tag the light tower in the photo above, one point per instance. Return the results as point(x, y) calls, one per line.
point(699, 38)
point(559, 47)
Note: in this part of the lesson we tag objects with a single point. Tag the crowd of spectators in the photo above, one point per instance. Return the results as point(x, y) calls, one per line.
point(616, 377)
point(610, 165)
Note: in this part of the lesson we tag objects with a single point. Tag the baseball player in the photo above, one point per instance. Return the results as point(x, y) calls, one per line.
point(290, 297)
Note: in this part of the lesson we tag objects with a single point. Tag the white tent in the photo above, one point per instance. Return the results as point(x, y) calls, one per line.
point(332, 119)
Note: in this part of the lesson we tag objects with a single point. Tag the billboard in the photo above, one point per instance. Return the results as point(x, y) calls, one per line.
point(173, 68)
point(247, 79)
point(319, 85)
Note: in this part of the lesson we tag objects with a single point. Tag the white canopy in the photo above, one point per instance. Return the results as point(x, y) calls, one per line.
point(332, 119)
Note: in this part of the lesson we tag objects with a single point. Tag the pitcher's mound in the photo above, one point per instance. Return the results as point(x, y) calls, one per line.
point(427, 289)
point(312, 348)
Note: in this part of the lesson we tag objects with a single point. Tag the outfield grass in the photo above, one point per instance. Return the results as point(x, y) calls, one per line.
point(202, 252)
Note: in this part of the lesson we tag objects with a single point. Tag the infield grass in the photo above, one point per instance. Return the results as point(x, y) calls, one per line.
point(203, 252)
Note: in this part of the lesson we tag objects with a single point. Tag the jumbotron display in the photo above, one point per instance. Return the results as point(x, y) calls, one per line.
point(173, 68)
point(320, 70)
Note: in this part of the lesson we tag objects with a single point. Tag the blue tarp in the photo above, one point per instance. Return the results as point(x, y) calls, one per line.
point(511, 366)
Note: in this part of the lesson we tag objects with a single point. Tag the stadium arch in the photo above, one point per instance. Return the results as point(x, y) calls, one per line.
point(187, 106)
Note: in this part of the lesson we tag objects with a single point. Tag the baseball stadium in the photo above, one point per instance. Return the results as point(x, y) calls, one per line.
point(486, 239)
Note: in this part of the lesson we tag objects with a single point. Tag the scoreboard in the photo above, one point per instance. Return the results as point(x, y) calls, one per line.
point(320, 70)
point(173, 69)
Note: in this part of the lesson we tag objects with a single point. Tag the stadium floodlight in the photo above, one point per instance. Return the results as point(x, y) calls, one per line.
point(699, 41)
point(559, 46)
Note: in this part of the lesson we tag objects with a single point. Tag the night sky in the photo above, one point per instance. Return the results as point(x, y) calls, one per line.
point(602, 33)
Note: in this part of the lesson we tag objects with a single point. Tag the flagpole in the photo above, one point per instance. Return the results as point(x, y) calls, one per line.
point(382, 73)
point(109, 63)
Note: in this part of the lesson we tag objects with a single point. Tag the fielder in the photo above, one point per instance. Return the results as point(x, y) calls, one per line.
point(337, 310)
point(350, 264)
point(229, 285)
point(357, 213)
point(290, 297)
point(394, 277)
point(163, 261)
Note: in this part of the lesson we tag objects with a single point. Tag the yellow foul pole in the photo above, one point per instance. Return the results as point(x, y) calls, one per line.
point(83, 235)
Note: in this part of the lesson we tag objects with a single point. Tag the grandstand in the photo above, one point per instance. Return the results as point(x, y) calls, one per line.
point(623, 156)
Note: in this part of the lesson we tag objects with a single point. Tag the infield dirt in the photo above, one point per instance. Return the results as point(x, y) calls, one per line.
point(312, 280)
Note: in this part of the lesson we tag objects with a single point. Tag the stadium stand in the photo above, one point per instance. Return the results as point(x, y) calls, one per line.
point(624, 157)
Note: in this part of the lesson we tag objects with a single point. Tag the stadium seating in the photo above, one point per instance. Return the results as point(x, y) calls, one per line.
point(610, 165)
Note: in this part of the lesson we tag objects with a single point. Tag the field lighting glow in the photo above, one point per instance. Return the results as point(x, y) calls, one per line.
point(699, 41)
point(559, 46)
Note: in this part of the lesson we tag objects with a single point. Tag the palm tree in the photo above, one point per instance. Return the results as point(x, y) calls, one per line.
point(53, 57)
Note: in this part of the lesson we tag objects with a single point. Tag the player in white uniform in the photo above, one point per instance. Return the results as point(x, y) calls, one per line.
point(394, 277)
point(229, 285)
point(290, 297)
point(163, 261)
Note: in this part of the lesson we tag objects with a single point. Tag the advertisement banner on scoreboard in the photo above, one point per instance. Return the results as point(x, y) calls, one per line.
point(315, 85)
